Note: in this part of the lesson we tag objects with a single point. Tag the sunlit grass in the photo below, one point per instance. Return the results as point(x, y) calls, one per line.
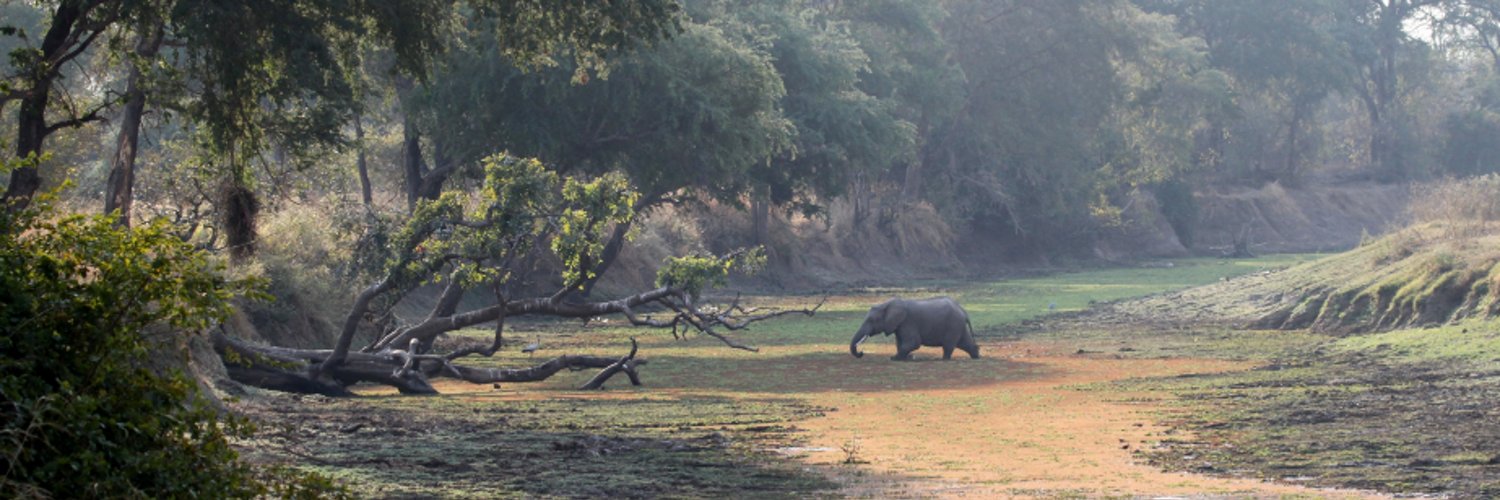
point(1472, 341)
point(697, 386)
point(800, 353)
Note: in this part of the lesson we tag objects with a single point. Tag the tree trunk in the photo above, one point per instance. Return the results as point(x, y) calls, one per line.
point(122, 171)
point(351, 322)
point(430, 187)
point(32, 125)
point(31, 118)
point(411, 161)
point(1294, 132)
point(616, 243)
point(911, 187)
point(361, 164)
point(760, 216)
point(1385, 151)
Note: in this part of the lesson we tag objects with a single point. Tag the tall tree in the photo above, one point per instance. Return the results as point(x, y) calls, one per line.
point(36, 71)
point(119, 194)
point(1040, 82)
point(696, 112)
point(1285, 53)
point(840, 129)
point(1377, 40)
point(911, 66)
point(531, 35)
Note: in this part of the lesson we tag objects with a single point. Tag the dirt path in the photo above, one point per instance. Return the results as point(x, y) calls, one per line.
point(1029, 436)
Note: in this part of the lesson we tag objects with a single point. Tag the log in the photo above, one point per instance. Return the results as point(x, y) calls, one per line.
point(292, 370)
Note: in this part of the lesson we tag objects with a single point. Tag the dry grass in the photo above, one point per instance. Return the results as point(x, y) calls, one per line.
point(1464, 207)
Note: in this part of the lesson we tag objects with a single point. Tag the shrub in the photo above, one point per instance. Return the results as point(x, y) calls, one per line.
point(82, 414)
point(1462, 206)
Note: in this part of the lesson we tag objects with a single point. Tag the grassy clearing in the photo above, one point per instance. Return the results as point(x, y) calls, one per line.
point(1406, 411)
point(711, 421)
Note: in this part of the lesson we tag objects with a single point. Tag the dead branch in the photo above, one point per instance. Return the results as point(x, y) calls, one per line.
point(734, 323)
point(293, 370)
point(625, 364)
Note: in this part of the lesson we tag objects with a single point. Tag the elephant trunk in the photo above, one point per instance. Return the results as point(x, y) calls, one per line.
point(859, 338)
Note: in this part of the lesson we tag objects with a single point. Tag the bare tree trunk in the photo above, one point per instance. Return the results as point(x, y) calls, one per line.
point(443, 166)
point(411, 161)
point(351, 322)
point(911, 187)
point(453, 293)
point(1294, 131)
point(122, 171)
point(859, 201)
point(362, 165)
point(760, 216)
point(422, 182)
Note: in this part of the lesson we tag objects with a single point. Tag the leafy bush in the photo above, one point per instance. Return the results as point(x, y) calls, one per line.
point(694, 273)
point(82, 414)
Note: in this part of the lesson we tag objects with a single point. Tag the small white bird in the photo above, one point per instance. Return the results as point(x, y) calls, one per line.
point(531, 348)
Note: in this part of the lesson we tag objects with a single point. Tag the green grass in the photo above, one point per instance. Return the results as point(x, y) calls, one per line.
point(708, 418)
point(1473, 341)
point(1017, 300)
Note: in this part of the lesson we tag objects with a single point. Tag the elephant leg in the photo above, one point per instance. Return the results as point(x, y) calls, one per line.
point(905, 345)
point(903, 353)
point(947, 352)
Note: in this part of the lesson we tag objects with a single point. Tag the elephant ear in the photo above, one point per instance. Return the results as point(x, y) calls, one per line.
point(895, 313)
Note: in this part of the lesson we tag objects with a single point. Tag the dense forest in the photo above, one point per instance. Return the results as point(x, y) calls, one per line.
point(169, 161)
point(1031, 119)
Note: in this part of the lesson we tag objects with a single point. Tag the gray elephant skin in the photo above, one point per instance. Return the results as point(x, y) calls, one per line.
point(935, 322)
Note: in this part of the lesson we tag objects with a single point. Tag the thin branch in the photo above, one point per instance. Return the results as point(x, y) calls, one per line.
point(734, 323)
point(79, 121)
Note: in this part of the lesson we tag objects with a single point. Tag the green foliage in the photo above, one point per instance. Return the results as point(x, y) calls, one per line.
point(840, 129)
point(592, 207)
point(694, 273)
point(697, 111)
point(1284, 59)
point(1040, 84)
point(533, 32)
point(1470, 145)
point(84, 414)
point(1173, 98)
point(520, 202)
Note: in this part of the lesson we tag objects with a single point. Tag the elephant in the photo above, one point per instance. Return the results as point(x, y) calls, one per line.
point(933, 322)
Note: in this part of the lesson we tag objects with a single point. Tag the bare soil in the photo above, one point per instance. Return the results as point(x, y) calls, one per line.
point(1042, 435)
point(1031, 419)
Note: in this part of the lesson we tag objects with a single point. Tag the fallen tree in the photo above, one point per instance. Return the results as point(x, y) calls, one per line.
point(521, 210)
